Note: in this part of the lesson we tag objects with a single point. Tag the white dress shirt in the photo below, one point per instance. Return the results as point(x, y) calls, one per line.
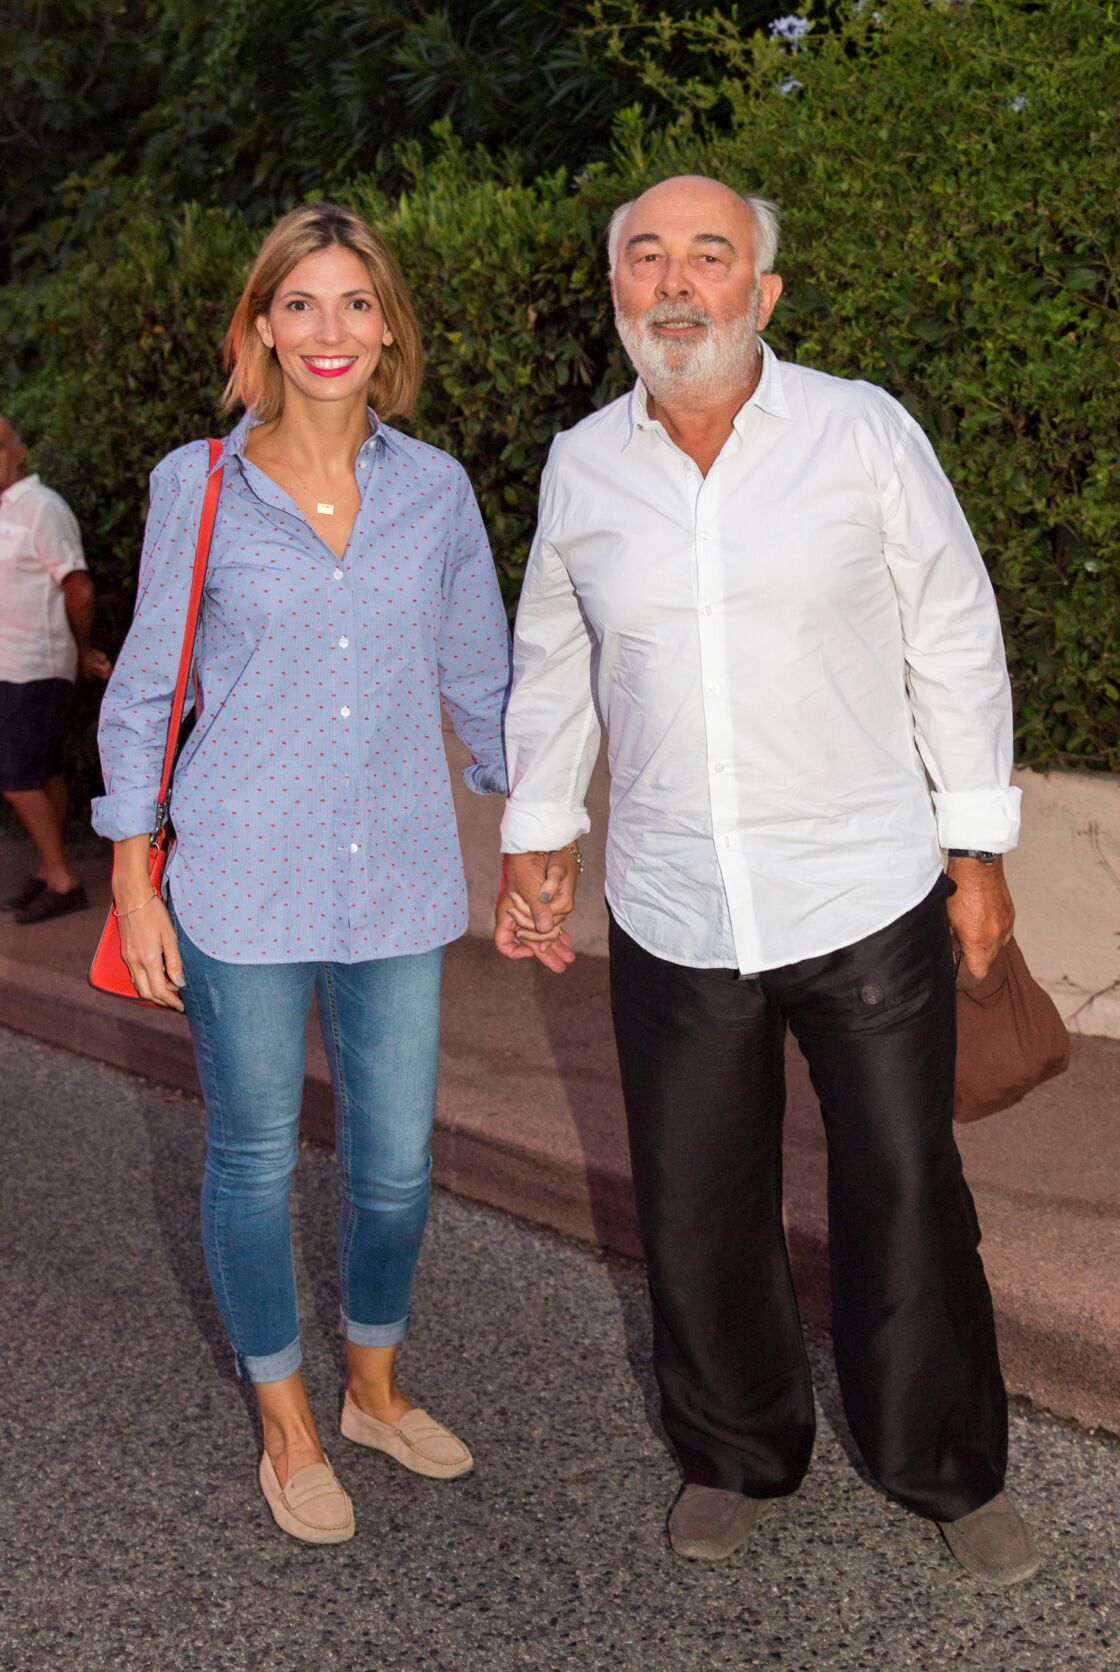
point(780, 652)
point(39, 546)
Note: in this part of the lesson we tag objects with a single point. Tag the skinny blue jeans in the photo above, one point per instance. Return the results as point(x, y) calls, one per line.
point(248, 1023)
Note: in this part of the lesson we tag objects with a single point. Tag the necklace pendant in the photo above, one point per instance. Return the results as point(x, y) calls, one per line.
point(325, 510)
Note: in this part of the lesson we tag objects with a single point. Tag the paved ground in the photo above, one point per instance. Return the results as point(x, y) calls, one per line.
point(530, 1119)
point(135, 1537)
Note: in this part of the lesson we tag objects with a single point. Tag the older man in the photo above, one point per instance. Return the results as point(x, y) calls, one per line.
point(46, 612)
point(758, 578)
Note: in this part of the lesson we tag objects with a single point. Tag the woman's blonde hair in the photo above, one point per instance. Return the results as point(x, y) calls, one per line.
point(255, 378)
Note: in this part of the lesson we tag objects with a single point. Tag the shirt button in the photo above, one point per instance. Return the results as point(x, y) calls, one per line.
point(362, 466)
point(706, 610)
point(353, 847)
point(345, 712)
point(718, 767)
point(338, 574)
point(344, 643)
point(712, 689)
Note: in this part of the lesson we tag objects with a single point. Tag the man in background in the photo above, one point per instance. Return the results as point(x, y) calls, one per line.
point(46, 613)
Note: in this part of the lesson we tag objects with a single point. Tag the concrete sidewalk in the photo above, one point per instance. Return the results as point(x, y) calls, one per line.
point(530, 1120)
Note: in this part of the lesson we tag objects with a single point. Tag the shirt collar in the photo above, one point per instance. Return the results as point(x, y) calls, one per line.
point(18, 489)
point(233, 447)
point(768, 396)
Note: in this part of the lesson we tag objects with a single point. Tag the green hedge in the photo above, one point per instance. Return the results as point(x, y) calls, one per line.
point(251, 103)
point(948, 176)
point(950, 180)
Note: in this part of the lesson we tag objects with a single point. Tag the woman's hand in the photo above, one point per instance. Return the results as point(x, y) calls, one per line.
point(151, 951)
point(148, 943)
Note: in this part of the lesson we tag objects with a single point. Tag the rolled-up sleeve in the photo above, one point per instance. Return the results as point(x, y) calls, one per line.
point(58, 539)
point(960, 695)
point(552, 724)
point(474, 647)
point(132, 733)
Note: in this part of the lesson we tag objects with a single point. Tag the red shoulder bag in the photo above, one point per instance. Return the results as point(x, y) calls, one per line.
point(108, 972)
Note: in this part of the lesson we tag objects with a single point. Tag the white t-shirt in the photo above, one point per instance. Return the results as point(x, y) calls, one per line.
point(40, 544)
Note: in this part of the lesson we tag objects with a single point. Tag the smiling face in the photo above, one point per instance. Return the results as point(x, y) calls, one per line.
point(688, 301)
point(326, 326)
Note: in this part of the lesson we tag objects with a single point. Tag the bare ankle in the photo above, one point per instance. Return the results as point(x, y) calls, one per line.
point(288, 1453)
point(380, 1399)
point(59, 877)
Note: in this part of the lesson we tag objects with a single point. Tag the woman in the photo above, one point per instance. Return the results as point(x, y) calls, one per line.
point(350, 589)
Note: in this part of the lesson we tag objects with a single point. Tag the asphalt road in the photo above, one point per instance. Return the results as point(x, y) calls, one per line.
point(133, 1534)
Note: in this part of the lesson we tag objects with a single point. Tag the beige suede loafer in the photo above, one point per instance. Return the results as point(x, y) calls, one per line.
point(707, 1524)
point(312, 1507)
point(994, 1543)
point(418, 1441)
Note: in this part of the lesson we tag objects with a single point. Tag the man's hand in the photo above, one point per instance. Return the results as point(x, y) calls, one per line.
point(538, 892)
point(981, 913)
point(95, 664)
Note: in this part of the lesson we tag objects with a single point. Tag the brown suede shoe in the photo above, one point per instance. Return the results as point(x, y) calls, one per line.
point(312, 1507)
point(993, 1543)
point(706, 1523)
point(418, 1441)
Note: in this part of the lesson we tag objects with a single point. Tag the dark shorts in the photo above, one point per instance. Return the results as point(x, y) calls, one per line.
point(32, 726)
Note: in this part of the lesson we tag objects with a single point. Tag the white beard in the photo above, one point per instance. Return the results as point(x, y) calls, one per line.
point(722, 361)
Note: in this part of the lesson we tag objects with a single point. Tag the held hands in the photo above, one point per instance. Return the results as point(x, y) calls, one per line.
point(538, 892)
point(981, 913)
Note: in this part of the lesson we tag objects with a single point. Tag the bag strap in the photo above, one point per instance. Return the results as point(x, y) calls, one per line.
point(190, 629)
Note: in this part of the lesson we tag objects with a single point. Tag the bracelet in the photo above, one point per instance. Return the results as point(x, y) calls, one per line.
point(578, 857)
point(152, 896)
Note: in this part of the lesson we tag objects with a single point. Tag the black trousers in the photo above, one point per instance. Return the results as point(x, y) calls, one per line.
point(702, 1060)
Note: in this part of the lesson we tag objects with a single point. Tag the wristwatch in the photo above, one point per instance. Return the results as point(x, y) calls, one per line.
point(973, 853)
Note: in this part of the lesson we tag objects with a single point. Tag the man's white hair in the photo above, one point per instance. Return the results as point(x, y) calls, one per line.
point(763, 212)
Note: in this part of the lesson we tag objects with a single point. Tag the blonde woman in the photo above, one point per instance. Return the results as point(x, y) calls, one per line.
point(350, 592)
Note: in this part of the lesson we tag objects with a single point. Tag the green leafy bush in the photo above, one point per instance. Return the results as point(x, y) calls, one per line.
point(253, 103)
point(124, 344)
point(950, 180)
point(948, 176)
point(509, 281)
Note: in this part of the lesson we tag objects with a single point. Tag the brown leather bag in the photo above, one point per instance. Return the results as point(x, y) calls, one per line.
point(1010, 1037)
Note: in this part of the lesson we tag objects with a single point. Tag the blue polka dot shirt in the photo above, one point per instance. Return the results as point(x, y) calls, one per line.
point(311, 804)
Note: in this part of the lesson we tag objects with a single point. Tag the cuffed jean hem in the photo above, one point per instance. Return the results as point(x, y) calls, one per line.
point(273, 1367)
point(374, 1335)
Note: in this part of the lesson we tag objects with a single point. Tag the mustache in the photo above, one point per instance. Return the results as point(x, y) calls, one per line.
point(676, 313)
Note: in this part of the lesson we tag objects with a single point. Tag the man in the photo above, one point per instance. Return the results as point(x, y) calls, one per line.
point(46, 613)
point(760, 580)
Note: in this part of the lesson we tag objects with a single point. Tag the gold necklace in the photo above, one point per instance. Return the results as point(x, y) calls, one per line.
point(321, 507)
